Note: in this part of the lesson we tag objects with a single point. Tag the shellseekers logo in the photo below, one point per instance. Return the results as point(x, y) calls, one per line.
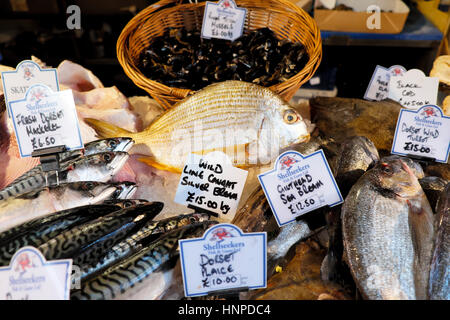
point(23, 263)
point(287, 162)
point(397, 72)
point(220, 235)
point(27, 74)
point(37, 95)
point(429, 112)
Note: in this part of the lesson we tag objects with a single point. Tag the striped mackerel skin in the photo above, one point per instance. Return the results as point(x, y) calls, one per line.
point(136, 242)
point(124, 275)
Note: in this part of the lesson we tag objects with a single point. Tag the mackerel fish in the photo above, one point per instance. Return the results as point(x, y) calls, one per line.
point(439, 288)
point(94, 147)
point(90, 234)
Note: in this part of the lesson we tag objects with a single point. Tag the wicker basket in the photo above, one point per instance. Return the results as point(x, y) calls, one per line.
point(285, 19)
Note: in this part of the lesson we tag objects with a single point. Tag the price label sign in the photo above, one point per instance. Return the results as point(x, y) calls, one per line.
point(30, 277)
point(27, 74)
point(413, 89)
point(223, 259)
point(423, 133)
point(223, 20)
point(378, 88)
point(212, 183)
point(45, 119)
point(299, 184)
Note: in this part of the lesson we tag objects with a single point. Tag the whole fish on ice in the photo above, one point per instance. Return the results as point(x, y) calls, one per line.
point(388, 231)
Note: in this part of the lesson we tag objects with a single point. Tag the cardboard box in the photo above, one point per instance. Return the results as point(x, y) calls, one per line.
point(390, 19)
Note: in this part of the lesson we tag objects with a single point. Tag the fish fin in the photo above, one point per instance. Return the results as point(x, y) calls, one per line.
point(150, 161)
point(106, 130)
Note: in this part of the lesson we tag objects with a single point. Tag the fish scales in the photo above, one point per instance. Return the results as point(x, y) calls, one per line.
point(45, 201)
point(97, 167)
point(118, 278)
point(42, 230)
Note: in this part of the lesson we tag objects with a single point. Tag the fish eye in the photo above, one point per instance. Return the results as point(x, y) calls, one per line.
point(127, 204)
point(89, 185)
point(386, 168)
point(290, 116)
point(112, 143)
point(107, 157)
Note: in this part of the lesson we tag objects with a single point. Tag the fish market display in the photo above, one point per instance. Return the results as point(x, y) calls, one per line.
point(226, 116)
point(100, 230)
point(439, 287)
point(47, 200)
point(36, 232)
point(97, 167)
point(388, 232)
point(118, 278)
point(183, 59)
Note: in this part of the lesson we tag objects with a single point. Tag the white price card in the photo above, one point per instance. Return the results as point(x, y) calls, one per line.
point(212, 183)
point(223, 20)
point(224, 258)
point(30, 277)
point(45, 119)
point(424, 133)
point(299, 184)
point(413, 89)
point(378, 88)
point(27, 74)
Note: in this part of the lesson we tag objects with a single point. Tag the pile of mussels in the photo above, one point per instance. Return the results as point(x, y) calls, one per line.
point(184, 59)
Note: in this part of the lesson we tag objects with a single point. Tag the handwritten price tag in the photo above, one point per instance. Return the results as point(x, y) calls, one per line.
point(30, 277)
point(27, 74)
point(45, 119)
point(413, 89)
point(223, 20)
point(225, 258)
point(424, 133)
point(211, 182)
point(378, 88)
point(299, 184)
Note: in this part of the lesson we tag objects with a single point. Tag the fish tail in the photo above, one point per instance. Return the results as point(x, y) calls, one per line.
point(106, 130)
